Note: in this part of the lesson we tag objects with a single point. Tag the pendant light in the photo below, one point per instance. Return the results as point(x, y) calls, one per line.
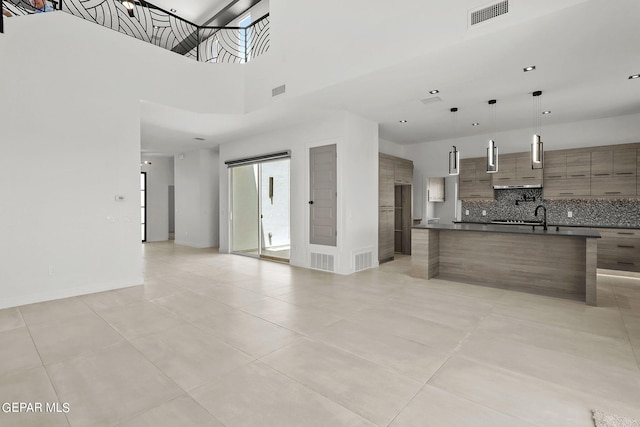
point(454, 154)
point(537, 152)
point(492, 151)
point(129, 5)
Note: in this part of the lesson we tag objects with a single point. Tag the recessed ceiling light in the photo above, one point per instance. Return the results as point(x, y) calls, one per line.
point(475, 124)
point(402, 121)
point(635, 76)
point(529, 68)
point(546, 112)
point(433, 92)
point(173, 10)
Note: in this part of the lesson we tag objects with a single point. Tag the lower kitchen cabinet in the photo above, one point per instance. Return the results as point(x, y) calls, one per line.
point(386, 238)
point(619, 249)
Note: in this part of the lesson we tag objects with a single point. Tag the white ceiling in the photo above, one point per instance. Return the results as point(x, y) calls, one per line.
point(583, 64)
point(196, 11)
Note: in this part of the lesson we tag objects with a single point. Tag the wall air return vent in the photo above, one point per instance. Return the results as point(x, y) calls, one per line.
point(363, 260)
point(488, 12)
point(322, 261)
point(278, 90)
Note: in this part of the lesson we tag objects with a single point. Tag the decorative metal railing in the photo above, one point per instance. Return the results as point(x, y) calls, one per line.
point(154, 25)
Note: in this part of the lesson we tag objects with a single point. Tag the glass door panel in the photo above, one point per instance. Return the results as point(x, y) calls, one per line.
point(245, 209)
point(274, 204)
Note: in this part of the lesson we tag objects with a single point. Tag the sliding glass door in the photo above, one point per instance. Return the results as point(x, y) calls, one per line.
point(260, 209)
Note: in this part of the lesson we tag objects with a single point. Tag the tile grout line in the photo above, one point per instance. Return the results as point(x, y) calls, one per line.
point(46, 370)
point(636, 353)
point(318, 392)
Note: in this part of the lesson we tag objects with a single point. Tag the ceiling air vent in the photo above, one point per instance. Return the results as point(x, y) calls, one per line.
point(278, 90)
point(488, 12)
point(430, 100)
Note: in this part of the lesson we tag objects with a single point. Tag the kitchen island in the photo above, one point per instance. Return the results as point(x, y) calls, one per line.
point(560, 263)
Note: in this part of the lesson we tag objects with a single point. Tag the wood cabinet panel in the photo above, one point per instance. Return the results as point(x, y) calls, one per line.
point(403, 171)
point(506, 174)
point(578, 164)
point(386, 169)
point(619, 249)
point(567, 188)
point(555, 166)
point(385, 233)
point(525, 175)
point(602, 163)
point(478, 185)
point(435, 187)
point(624, 162)
point(613, 186)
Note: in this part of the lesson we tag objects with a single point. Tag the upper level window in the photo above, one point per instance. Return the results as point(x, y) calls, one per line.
point(245, 38)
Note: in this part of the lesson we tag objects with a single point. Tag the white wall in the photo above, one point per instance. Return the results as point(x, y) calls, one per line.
point(357, 145)
point(159, 178)
point(308, 38)
point(196, 196)
point(70, 141)
point(431, 159)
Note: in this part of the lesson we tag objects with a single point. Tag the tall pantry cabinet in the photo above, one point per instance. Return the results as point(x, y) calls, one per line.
point(395, 179)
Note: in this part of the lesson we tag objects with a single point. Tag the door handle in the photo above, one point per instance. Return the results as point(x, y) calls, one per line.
point(310, 202)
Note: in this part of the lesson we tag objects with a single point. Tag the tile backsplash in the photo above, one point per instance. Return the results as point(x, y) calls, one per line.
point(520, 204)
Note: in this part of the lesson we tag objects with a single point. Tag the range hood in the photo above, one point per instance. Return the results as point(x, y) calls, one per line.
point(509, 187)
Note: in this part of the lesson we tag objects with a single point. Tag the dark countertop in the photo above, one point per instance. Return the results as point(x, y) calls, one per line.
point(556, 225)
point(496, 228)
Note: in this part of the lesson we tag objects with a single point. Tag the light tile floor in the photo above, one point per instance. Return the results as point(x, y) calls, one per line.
point(213, 339)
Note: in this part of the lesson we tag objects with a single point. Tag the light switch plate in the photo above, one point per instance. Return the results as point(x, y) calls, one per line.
point(569, 214)
point(484, 213)
point(466, 212)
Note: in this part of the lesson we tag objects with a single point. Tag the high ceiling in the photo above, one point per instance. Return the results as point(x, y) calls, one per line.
point(583, 59)
point(196, 11)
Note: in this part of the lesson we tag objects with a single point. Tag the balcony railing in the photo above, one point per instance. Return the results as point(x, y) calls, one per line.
point(154, 25)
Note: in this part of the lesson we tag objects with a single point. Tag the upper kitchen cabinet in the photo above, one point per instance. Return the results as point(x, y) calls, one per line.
point(403, 171)
point(567, 174)
point(613, 172)
point(435, 188)
point(386, 167)
point(475, 182)
point(515, 170)
point(506, 174)
point(597, 172)
point(525, 175)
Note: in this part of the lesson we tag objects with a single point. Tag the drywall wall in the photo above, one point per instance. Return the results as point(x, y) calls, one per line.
point(431, 159)
point(159, 178)
point(357, 163)
point(309, 38)
point(70, 144)
point(196, 198)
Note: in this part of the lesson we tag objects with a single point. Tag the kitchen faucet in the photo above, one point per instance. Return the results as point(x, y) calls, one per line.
point(544, 221)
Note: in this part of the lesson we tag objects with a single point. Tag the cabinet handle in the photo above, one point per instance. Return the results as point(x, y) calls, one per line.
point(602, 174)
point(626, 246)
point(528, 177)
point(503, 178)
point(626, 263)
point(554, 176)
point(579, 175)
point(566, 194)
point(611, 192)
point(475, 195)
point(624, 173)
point(626, 233)
point(467, 180)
